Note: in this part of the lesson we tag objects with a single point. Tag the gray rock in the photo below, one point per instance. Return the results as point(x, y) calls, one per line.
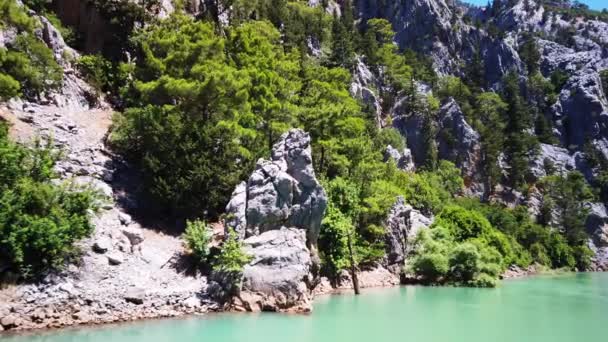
point(135, 295)
point(583, 105)
point(458, 141)
point(362, 87)
point(280, 270)
point(597, 224)
point(115, 258)
point(551, 160)
point(135, 235)
point(237, 209)
point(281, 192)
point(597, 228)
point(102, 244)
point(402, 225)
point(124, 218)
point(10, 321)
point(192, 302)
point(403, 159)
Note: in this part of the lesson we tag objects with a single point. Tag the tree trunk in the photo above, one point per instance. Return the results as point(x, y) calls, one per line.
point(353, 267)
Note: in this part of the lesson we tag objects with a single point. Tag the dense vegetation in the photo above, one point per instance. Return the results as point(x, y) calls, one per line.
point(203, 98)
point(27, 65)
point(204, 103)
point(39, 220)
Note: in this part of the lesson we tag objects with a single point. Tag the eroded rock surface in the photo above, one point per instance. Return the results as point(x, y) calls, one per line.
point(278, 214)
point(402, 226)
point(278, 277)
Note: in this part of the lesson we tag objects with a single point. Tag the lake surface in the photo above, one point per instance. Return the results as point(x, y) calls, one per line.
point(541, 309)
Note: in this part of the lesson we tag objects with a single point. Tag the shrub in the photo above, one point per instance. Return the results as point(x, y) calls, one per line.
point(431, 266)
point(464, 262)
point(39, 220)
point(232, 259)
point(463, 224)
point(9, 87)
point(484, 280)
point(198, 236)
point(31, 63)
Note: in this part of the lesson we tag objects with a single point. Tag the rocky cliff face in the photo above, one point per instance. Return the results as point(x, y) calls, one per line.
point(443, 29)
point(277, 213)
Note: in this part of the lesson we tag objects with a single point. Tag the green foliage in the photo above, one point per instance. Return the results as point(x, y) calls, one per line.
point(530, 55)
point(431, 266)
point(489, 121)
point(232, 259)
point(430, 259)
point(9, 87)
point(198, 237)
point(451, 86)
point(39, 221)
point(567, 196)
point(182, 172)
point(27, 65)
point(342, 49)
point(333, 240)
point(519, 143)
point(464, 262)
point(13, 15)
point(96, 70)
point(463, 224)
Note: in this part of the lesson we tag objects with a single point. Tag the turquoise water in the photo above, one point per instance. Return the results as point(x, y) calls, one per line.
point(541, 309)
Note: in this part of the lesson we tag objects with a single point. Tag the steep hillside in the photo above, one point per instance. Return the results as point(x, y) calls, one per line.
point(247, 155)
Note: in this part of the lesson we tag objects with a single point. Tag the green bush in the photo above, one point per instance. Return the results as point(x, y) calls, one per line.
point(232, 259)
point(464, 262)
point(431, 266)
point(39, 221)
point(27, 60)
point(9, 87)
point(198, 237)
point(462, 223)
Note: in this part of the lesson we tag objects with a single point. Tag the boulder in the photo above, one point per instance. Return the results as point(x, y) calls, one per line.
point(280, 192)
point(135, 295)
point(102, 244)
point(279, 274)
point(597, 224)
point(277, 214)
point(237, 209)
point(458, 141)
point(402, 226)
point(403, 159)
point(135, 235)
point(10, 321)
point(115, 258)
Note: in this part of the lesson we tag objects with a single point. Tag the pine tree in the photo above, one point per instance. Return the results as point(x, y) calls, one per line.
point(342, 50)
point(490, 111)
point(530, 55)
point(520, 143)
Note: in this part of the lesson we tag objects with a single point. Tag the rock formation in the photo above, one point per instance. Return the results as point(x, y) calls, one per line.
point(403, 159)
point(278, 214)
point(597, 228)
point(402, 226)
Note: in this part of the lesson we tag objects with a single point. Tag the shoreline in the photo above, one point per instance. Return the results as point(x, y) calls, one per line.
point(212, 313)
